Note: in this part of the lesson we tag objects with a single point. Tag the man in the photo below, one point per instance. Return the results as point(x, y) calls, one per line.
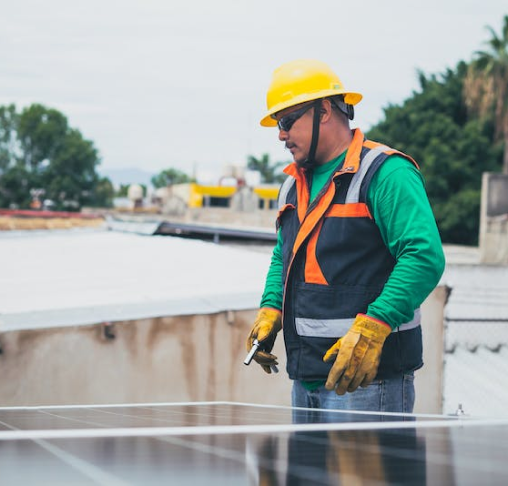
point(358, 251)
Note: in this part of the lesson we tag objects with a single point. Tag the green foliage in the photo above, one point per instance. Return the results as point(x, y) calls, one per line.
point(38, 150)
point(103, 193)
point(486, 85)
point(452, 149)
point(8, 140)
point(169, 177)
point(269, 172)
point(15, 185)
point(40, 132)
point(122, 190)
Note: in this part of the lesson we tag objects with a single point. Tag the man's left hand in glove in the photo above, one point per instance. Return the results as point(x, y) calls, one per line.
point(357, 355)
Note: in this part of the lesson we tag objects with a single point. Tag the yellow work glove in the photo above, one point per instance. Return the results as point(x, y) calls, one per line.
point(268, 323)
point(356, 354)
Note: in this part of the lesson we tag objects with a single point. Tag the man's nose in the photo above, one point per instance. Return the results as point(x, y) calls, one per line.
point(283, 135)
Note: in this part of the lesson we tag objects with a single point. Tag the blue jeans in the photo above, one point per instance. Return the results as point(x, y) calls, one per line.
point(388, 395)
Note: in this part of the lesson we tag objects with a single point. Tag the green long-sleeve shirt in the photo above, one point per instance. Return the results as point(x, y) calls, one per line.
point(398, 203)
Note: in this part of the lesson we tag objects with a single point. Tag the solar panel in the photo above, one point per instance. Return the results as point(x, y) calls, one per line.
point(223, 443)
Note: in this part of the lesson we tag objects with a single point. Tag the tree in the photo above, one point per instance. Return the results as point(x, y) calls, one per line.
point(265, 167)
point(15, 185)
point(39, 150)
point(169, 177)
point(103, 194)
point(122, 190)
point(486, 85)
point(451, 148)
point(41, 132)
point(8, 140)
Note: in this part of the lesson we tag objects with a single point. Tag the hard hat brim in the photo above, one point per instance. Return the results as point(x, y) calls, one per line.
point(349, 98)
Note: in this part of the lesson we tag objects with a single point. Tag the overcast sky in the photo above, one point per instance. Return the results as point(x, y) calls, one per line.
point(160, 83)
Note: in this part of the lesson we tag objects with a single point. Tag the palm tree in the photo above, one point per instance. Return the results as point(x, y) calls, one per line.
point(486, 85)
point(266, 168)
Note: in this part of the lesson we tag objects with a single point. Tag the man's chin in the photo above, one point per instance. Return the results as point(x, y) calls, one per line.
point(303, 164)
point(299, 161)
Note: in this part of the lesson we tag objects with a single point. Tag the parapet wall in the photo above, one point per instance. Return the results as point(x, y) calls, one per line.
point(170, 359)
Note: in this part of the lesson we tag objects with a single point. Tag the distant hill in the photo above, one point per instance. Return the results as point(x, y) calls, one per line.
point(131, 175)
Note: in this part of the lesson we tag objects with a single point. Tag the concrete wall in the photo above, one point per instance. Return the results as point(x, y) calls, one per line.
point(429, 379)
point(494, 219)
point(191, 358)
point(168, 359)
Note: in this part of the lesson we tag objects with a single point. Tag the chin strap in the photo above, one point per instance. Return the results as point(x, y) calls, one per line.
point(345, 108)
point(310, 162)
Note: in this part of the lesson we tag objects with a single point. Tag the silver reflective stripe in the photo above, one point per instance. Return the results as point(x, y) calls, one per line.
point(415, 322)
point(329, 328)
point(325, 328)
point(353, 193)
point(284, 191)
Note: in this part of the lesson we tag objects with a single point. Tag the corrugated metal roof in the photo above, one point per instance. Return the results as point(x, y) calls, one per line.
point(476, 339)
point(476, 380)
point(478, 291)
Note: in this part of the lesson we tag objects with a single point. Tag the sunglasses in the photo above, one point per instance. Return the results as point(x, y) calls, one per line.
point(287, 121)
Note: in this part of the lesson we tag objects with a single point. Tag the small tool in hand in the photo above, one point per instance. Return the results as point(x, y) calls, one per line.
point(252, 352)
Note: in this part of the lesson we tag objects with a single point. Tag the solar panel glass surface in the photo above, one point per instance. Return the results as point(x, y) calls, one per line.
point(229, 443)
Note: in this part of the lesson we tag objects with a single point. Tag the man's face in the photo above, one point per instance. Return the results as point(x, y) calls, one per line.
point(295, 130)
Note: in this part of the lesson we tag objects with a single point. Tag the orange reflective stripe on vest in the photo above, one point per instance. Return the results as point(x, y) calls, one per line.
point(313, 272)
point(353, 210)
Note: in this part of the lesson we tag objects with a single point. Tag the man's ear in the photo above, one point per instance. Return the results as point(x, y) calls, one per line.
point(326, 110)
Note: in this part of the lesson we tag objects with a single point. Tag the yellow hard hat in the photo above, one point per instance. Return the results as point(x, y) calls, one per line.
point(303, 80)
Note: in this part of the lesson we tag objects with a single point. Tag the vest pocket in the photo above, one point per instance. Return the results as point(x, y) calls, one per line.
point(328, 312)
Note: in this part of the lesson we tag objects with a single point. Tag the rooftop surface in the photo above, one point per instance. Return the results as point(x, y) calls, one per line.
point(82, 277)
point(75, 277)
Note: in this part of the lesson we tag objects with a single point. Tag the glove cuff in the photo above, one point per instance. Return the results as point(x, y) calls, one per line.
point(371, 327)
point(272, 315)
point(270, 309)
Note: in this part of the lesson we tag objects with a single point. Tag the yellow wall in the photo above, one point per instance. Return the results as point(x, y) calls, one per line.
point(199, 192)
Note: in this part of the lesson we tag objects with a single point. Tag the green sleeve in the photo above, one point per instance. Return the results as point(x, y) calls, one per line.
point(399, 204)
point(272, 295)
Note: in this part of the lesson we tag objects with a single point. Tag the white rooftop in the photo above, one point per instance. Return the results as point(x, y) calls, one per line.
point(79, 277)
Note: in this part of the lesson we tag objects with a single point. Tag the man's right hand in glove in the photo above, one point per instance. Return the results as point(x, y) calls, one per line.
point(268, 323)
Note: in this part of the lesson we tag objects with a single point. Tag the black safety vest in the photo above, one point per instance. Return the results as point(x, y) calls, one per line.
point(335, 264)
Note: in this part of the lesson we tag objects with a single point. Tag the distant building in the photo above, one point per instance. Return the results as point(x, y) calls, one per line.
point(194, 195)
